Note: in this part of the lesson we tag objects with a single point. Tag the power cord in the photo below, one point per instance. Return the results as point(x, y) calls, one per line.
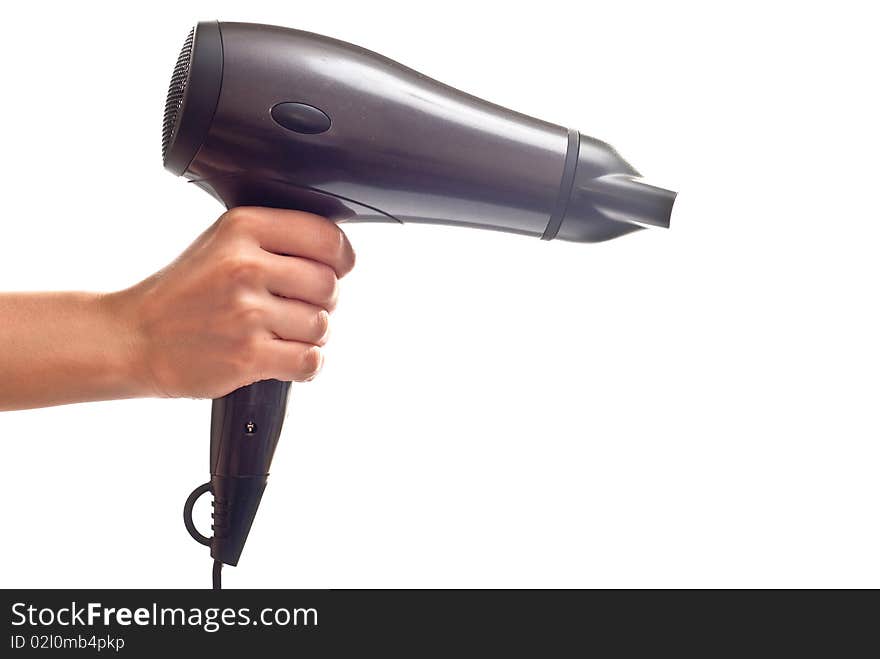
point(218, 565)
point(194, 532)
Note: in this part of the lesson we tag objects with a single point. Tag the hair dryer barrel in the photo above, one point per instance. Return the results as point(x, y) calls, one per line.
point(263, 115)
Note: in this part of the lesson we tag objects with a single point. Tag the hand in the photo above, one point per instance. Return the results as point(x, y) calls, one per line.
point(249, 300)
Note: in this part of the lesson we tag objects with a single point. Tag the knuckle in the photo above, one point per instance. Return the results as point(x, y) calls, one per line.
point(332, 241)
point(347, 256)
point(349, 261)
point(327, 286)
point(310, 363)
point(243, 313)
point(241, 268)
point(236, 219)
point(321, 325)
point(247, 354)
point(248, 315)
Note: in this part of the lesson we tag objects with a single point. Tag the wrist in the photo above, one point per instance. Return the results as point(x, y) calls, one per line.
point(126, 353)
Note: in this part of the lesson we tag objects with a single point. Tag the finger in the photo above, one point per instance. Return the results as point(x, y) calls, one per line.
point(291, 360)
point(302, 279)
point(294, 233)
point(295, 320)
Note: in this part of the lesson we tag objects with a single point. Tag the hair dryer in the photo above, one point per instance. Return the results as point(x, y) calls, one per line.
point(268, 116)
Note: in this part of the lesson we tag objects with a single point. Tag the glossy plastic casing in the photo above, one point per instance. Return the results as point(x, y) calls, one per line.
point(400, 146)
point(244, 433)
point(278, 117)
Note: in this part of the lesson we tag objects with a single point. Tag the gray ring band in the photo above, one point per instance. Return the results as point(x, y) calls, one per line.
point(571, 160)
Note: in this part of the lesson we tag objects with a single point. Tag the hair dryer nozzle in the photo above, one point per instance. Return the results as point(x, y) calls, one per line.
point(607, 197)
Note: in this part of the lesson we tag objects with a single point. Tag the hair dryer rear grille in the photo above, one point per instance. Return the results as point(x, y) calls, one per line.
point(175, 92)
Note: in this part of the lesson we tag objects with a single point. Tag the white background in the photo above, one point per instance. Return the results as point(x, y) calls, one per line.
point(695, 407)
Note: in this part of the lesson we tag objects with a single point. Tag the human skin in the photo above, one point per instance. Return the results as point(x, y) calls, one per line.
point(249, 300)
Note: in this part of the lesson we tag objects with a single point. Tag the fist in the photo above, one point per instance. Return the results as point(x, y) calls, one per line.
point(249, 300)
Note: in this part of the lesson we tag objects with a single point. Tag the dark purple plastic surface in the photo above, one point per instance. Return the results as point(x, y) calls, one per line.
point(278, 117)
point(400, 146)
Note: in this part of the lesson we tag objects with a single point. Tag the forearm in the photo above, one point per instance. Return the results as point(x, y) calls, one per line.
point(249, 300)
point(58, 348)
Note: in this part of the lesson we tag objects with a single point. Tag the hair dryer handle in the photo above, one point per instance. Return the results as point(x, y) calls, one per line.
point(245, 428)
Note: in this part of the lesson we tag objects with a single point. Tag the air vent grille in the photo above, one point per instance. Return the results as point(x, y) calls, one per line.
point(175, 92)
